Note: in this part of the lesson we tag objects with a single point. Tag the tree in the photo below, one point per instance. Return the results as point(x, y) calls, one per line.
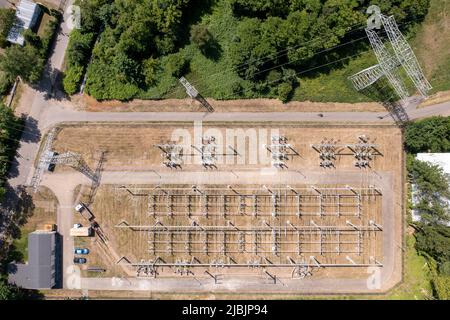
point(7, 17)
point(25, 62)
point(428, 135)
point(126, 68)
point(150, 69)
point(32, 38)
point(78, 50)
point(10, 131)
point(8, 292)
point(434, 240)
point(284, 91)
point(251, 48)
point(72, 79)
point(176, 65)
point(201, 37)
point(432, 190)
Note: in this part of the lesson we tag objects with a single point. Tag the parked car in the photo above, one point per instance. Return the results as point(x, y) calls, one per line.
point(81, 251)
point(77, 225)
point(77, 260)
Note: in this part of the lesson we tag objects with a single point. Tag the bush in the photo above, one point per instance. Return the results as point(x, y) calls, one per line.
point(7, 17)
point(150, 69)
point(284, 91)
point(79, 48)
point(176, 65)
point(102, 84)
point(5, 83)
point(10, 131)
point(49, 33)
point(428, 135)
point(72, 79)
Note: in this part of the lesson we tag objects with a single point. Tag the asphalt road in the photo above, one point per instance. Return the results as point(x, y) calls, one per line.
point(5, 4)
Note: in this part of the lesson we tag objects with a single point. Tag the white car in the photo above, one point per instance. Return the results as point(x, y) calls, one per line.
point(79, 207)
point(77, 225)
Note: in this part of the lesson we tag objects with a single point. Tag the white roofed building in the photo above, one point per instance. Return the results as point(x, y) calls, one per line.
point(27, 14)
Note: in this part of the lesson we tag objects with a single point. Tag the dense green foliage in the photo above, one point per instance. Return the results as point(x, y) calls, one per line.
point(7, 17)
point(242, 40)
point(8, 292)
point(133, 33)
point(432, 197)
point(28, 61)
point(77, 57)
point(428, 135)
point(10, 131)
point(25, 62)
point(433, 191)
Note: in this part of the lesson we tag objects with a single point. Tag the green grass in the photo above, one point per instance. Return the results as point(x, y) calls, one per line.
point(21, 244)
point(417, 278)
point(416, 283)
point(335, 86)
point(432, 45)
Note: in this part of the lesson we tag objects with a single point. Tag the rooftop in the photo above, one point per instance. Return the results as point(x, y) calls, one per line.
point(26, 16)
point(39, 272)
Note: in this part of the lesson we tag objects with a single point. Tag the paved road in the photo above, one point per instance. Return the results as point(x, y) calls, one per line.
point(5, 4)
point(50, 113)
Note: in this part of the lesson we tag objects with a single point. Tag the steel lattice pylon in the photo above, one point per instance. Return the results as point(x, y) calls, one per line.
point(388, 63)
point(71, 159)
point(405, 55)
point(75, 161)
point(43, 162)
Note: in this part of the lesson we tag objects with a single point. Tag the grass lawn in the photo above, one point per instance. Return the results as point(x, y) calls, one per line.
point(416, 281)
point(432, 45)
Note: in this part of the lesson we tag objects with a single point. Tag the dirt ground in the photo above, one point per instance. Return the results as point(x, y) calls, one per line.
point(244, 105)
point(437, 98)
point(113, 204)
point(134, 147)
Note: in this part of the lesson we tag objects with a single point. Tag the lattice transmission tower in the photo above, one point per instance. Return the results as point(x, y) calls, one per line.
point(71, 159)
point(388, 63)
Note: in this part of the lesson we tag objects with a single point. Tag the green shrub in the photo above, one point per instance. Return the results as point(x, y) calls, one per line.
point(10, 131)
point(102, 84)
point(7, 17)
point(284, 91)
point(428, 135)
point(72, 79)
point(49, 34)
point(79, 48)
point(176, 64)
point(5, 83)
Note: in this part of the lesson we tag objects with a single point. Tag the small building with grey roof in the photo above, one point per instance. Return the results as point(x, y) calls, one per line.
point(40, 271)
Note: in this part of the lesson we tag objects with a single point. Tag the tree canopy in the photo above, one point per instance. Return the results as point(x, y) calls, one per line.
point(428, 135)
point(10, 131)
point(265, 34)
point(7, 17)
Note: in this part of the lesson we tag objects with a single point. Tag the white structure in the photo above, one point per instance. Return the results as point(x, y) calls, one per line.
point(27, 14)
point(440, 159)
